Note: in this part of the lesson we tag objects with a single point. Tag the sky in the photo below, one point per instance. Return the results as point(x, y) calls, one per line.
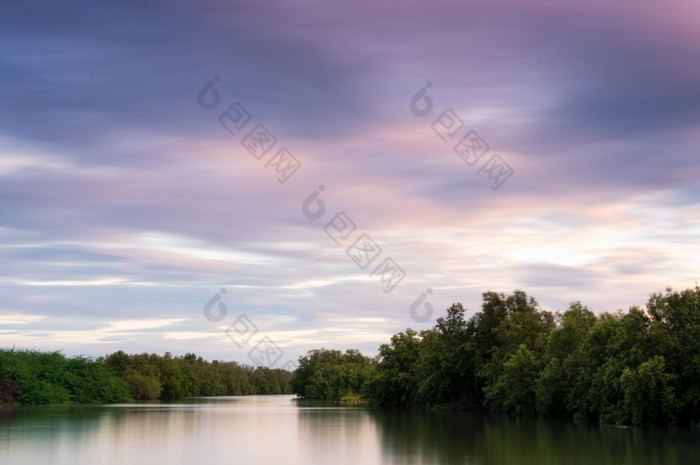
point(250, 180)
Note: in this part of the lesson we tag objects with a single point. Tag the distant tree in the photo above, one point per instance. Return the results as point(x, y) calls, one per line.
point(151, 376)
point(330, 374)
point(396, 379)
point(143, 387)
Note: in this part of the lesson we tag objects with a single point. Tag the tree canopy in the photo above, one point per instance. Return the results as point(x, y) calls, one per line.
point(331, 374)
point(639, 367)
point(151, 376)
point(35, 377)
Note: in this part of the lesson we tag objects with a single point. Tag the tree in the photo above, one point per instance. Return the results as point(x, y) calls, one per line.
point(446, 366)
point(514, 390)
point(396, 371)
point(649, 397)
point(142, 387)
point(330, 374)
point(556, 385)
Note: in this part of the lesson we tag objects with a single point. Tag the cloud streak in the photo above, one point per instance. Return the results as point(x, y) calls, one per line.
point(124, 206)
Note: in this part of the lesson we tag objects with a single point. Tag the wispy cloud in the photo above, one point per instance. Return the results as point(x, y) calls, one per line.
point(20, 318)
point(124, 206)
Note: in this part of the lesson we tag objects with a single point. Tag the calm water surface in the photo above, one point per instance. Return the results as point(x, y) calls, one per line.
point(281, 431)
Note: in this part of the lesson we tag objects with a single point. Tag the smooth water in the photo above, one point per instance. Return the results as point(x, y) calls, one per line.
point(279, 430)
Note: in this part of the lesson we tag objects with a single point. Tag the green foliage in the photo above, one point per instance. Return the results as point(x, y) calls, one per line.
point(649, 397)
point(446, 367)
point(150, 376)
point(142, 387)
point(396, 377)
point(562, 361)
point(353, 399)
point(330, 374)
point(33, 377)
point(641, 367)
point(514, 389)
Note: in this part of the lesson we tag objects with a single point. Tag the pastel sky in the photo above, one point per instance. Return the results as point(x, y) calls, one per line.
point(125, 205)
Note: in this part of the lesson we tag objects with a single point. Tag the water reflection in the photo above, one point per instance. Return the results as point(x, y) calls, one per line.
point(279, 430)
point(456, 438)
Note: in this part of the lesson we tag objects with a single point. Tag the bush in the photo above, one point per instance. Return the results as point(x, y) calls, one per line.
point(34, 377)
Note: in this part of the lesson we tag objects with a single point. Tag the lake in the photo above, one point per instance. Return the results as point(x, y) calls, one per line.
point(280, 430)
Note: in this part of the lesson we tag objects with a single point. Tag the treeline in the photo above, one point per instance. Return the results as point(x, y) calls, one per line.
point(151, 376)
point(639, 367)
point(33, 377)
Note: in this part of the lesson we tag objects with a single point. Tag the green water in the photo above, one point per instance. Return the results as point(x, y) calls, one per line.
point(278, 430)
